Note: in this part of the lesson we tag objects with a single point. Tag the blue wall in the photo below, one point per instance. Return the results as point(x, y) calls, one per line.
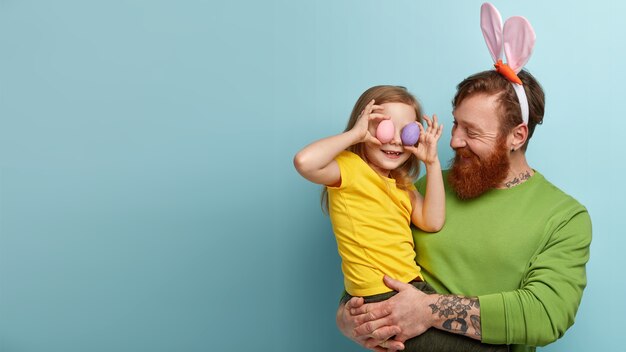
point(148, 200)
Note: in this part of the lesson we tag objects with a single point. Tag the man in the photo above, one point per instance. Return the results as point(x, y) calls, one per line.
point(514, 247)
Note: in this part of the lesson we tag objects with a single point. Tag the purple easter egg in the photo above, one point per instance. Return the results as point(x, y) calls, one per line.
point(385, 131)
point(410, 134)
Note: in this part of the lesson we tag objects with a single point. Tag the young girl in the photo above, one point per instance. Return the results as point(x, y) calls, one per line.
point(371, 198)
point(372, 201)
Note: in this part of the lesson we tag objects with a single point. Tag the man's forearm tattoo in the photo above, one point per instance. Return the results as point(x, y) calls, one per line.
point(517, 180)
point(475, 319)
point(456, 310)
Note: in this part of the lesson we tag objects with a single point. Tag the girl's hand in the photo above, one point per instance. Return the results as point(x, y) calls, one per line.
point(426, 149)
point(368, 120)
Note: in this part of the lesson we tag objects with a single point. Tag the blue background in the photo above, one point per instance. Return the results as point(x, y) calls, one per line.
point(148, 200)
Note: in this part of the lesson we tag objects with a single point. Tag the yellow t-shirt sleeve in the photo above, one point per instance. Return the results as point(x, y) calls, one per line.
point(346, 162)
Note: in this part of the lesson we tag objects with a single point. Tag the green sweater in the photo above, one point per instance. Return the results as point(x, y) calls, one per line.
point(522, 251)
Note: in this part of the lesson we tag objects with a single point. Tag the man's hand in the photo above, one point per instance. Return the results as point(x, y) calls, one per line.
point(384, 326)
point(409, 310)
point(378, 340)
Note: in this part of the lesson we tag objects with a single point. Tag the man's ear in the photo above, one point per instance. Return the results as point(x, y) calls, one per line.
point(518, 136)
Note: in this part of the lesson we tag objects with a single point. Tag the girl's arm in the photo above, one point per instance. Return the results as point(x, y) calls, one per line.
point(429, 212)
point(316, 162)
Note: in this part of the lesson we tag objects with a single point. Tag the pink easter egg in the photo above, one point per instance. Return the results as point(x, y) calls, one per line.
point(385, 131)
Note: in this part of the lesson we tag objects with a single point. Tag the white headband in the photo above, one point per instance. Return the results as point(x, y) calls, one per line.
point(517, 38)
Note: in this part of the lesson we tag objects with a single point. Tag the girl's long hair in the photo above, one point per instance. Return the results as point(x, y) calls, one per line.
point(406, 173)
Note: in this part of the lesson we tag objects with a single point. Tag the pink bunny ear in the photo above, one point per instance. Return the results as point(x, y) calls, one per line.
point(519, 40)
point(491, 24)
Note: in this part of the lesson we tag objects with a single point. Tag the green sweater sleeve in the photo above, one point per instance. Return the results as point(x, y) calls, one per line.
point(545, 306)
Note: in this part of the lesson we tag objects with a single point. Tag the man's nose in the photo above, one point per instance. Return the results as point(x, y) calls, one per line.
point(457, 141)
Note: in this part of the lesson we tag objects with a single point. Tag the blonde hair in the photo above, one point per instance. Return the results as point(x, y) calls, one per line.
point(406, 173)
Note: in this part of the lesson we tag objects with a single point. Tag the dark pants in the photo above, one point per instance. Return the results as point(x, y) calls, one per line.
point(435, 340)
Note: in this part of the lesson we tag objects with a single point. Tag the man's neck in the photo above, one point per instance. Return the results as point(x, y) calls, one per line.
point(519, 171)
point(518, 179)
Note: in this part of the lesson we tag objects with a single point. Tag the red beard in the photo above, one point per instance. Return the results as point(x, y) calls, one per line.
point(471, 177)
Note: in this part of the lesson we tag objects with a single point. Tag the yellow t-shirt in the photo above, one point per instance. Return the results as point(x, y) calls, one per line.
point(371, 219)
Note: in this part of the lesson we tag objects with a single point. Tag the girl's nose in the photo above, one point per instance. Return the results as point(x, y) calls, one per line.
point(397, 139)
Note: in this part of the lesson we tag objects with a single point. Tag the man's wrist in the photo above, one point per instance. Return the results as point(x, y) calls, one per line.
point(456, 314)
point(432, 319)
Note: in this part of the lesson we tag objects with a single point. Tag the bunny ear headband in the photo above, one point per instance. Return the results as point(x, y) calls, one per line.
point(517, 37)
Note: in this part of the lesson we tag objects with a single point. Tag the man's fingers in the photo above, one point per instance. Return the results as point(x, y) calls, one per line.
point(400, 348)
point(380, 329)
point(395, 284)
point(386, 333)
point(368, 308)
point(355, 302)
point(376, 345)
point(392, 345)
point(371, 314)
point(385, 345)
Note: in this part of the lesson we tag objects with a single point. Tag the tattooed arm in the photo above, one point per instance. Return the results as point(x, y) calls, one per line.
point(412, 312)
point(457, 314)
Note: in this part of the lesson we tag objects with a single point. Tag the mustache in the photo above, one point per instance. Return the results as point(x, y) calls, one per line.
point(464, 152)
